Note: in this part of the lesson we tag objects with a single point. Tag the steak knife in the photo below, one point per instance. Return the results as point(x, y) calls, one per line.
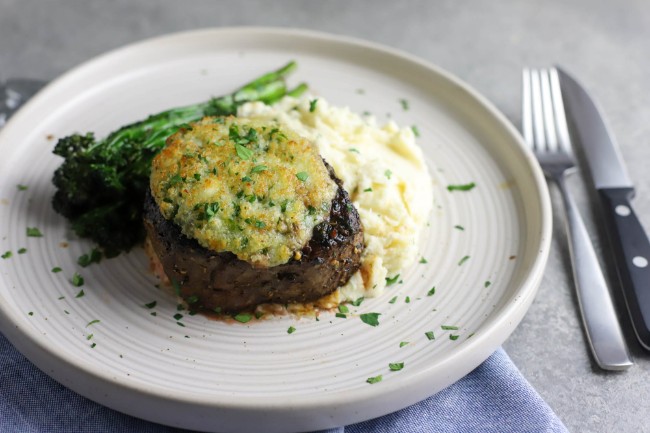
point(628, 239)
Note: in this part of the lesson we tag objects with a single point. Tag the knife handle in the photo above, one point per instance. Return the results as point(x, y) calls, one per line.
point(632, 257)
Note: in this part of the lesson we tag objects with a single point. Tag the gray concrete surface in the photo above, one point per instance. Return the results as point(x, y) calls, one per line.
point(485, 43)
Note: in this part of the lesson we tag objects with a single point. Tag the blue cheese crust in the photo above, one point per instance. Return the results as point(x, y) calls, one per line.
point(250, 187)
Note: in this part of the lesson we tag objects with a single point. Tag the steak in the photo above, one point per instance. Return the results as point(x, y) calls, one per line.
point(219, 281)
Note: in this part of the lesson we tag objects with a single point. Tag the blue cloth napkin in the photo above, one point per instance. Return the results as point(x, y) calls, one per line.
point(494, 397)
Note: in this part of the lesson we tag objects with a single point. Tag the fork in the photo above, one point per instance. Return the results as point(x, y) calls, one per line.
point(546, 133)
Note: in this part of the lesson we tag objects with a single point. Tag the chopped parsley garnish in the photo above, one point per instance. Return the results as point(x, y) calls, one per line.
point(357, 302)
point(197, 176)
point(371, 319)
point(243, 317)
point(459, 227)
point(22, 250)
point(449, 328)
point(463, 260)
point(403, 343)
point(6, 255)
point(291, 330)
point(367, 190)
point(388, 174)
point(31, 313)
point(90, 336)
point(432, 291)
point(396, 366)
point(344, 309)
point(246, 179)
point(487, 284)
point(415, 130)
point(405, 104)
point(258, 169)
point(95, 256)
point(34, 232)
point(92, 346)
point(22, 187)
point(341, 315)
point(56, 269)
point(407, 300)
point(181, 324)
point(303, 175)
point(453, 337)
point(430, 335)
point(80, 294)
point(178, 316)
point(392, 301)
point(92, 322)
point(243, 152)
point(463, 187)
point(312, 105)
point(77, 280)
point(192, 299)
point(423, 260)
point(354, 149)
point(390, 281)
point(374, 379)
point(151, 304)
point(260, 224)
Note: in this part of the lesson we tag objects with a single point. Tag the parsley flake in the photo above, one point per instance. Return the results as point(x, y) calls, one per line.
point(22, 250)
point(453, 337)
point(34, 232)
point(391, 281)
point(77, 280)
point(487, 284)
point(403, 343)
point(243, 317)
point(22, 187)
point(388, 173)
point(291, 330)
point(374, 379)
point(243, 152)
point(371, 319)
point(95, 256)
point(396, 366)
point(463, 187)
point(430, 335)
point(449, 328)
point(6, 255)
point(303, 175)
point(357, 302)
point(432, 291)
point(423, 260)
point(415, 130)
point(392, 301)
point(312, 105)
point(463, 260)
point(92, 322)
point(405, 104)
point(56, 269)
point(344, 309)
point(258, 169)
point(151, 304)
point(80, 294)
point(459, 227)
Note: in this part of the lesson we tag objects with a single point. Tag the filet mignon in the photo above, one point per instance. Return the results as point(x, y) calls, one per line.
point(219, 281)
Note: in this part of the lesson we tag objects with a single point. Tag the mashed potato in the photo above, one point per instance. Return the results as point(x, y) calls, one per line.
point(382, 169)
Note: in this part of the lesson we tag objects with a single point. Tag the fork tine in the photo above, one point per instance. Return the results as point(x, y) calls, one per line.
point(526, 108)
point(547, 108)
point(560, 116)
point(538, 114)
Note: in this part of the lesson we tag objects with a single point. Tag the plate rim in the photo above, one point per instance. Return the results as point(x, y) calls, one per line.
point(512, 312)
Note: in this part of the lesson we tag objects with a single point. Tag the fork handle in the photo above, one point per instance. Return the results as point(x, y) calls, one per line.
point(632, 256)
point(596, 306)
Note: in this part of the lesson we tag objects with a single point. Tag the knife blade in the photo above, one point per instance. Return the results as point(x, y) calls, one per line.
point(629, 241)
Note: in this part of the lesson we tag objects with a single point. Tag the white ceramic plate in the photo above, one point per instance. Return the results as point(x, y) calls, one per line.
point(211, 375)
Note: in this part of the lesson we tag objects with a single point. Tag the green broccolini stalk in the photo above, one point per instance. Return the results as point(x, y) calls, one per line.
point(101, 183)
